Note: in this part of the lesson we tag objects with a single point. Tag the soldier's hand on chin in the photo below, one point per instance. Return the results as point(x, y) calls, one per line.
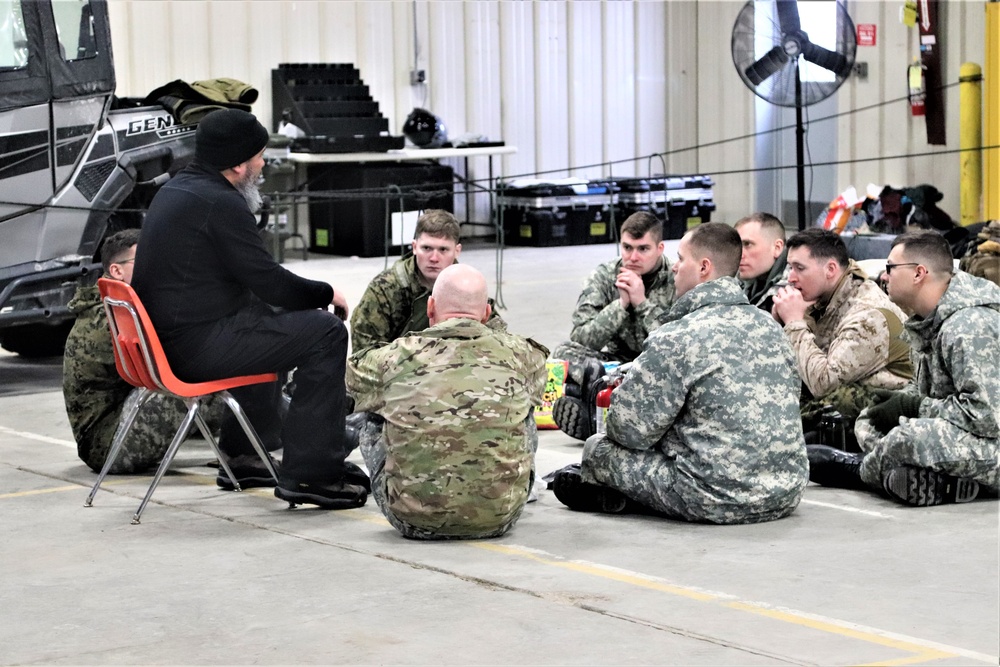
point(789, 305)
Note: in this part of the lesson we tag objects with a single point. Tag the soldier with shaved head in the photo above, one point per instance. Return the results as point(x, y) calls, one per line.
point(449, 435)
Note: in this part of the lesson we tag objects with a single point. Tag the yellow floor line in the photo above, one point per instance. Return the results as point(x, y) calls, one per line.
point(921, 650)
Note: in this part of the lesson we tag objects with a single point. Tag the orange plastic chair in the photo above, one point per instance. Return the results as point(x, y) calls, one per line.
point(141, 361)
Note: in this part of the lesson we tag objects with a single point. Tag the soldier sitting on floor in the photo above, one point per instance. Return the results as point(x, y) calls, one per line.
point(395, 302)
point(846, 333)
point(449, 433)
point(705, 426)
point(621, 303)
point(936, 440)
point(764, 266)
point(96, 395)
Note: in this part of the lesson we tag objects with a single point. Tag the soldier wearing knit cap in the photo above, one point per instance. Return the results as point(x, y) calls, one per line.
point(223, 307)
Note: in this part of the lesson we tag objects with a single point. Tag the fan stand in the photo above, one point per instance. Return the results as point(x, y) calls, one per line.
point(800, 167)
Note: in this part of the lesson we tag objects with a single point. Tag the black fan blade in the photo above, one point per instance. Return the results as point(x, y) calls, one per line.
point(772, 61)
point(830, 60)
point(788, 16)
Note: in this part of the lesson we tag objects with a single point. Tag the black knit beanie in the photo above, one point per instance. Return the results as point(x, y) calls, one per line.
point(228, 137)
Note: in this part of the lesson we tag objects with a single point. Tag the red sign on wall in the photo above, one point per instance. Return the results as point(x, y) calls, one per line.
point(866, 34)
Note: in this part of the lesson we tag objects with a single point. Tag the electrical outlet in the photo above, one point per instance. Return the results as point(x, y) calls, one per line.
point(861, 70)
point(418, 76)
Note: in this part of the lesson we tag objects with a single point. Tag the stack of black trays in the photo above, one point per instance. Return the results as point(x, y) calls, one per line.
point(681, 202)
point(332, 105)
point(554, 214)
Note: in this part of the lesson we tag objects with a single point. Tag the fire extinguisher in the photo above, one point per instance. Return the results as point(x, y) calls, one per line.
point(916, 82)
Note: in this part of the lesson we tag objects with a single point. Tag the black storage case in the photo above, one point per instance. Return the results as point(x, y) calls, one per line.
point(681, 202)
point(357, 226)
point(553, 214)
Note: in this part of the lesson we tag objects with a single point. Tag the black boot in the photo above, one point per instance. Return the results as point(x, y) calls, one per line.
point(922, 487)
point(833, 467)
point(581, 496)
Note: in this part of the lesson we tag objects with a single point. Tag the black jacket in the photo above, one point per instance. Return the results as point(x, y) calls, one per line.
point(200, 259)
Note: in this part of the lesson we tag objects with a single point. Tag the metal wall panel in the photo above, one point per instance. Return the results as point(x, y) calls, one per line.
point(517, 85)
point(651, 73)
point(618, 49)
point(568, 83)
point(551, 89)
point(586, 88)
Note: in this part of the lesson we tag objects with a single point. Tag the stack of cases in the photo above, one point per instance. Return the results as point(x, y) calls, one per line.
point(680, 201)
point(555, 214)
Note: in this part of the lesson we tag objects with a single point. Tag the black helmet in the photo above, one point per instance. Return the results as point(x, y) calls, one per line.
point(424, 129)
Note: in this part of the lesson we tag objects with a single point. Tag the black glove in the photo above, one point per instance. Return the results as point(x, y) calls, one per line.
point(885, 416)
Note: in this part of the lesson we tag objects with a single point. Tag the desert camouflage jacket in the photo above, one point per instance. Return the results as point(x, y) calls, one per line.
point(957, 355)
point(93, 390)
point(455, 399)
point(600, 322)
point(395, 304)
point(855, 336)
point(716, 391)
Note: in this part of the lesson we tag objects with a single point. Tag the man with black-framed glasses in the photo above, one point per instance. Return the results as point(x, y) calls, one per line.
point(936, 440)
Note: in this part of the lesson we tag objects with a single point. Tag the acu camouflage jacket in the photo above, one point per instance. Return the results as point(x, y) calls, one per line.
point(600, 322)
point(957, 355)
point(716, 392)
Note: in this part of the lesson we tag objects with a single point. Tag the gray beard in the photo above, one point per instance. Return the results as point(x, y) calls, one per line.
point(251, 193)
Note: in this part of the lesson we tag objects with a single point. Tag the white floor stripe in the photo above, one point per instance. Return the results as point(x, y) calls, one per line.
point(844, 508)
point(39, 438)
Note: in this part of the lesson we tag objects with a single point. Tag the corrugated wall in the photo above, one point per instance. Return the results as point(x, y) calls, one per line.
point(571, 84)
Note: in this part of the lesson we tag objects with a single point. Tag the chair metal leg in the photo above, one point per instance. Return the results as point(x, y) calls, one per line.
point(251, 433)
point(116, 445)
point(175, 444)
point(207, 434)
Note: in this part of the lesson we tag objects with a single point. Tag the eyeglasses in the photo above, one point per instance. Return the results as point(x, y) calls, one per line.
point(889, 267)
point(126, 261)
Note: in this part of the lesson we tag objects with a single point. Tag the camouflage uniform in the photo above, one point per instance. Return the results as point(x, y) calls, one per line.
point(395, 304)
point(705, 427)
point(96, 397)
point(603, 329)
point(761, 290)
point(458, 441)
point(849, 345)
point(957, 354)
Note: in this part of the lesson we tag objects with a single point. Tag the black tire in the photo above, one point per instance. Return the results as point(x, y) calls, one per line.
point(35, 341)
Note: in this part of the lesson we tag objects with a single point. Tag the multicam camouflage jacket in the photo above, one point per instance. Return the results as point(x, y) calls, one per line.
point(455, 398)
point(855, 336)
point(761, 290)
point(394, 304)
point(92, 388)
point(957, 355)
point(716, 391)
point(600, 322)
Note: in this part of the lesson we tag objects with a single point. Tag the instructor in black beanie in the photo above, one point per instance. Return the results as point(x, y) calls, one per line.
point(223, 307)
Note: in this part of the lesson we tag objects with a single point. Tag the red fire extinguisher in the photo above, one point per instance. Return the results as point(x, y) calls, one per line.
point(917, 88)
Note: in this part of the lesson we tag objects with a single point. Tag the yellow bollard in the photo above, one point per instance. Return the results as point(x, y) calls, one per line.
point(991, 115)
point(970, 141)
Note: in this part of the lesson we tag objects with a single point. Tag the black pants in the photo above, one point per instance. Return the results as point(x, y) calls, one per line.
point(260, 339)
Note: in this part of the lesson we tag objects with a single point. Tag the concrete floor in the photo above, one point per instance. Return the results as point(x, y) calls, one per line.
point(213, 577)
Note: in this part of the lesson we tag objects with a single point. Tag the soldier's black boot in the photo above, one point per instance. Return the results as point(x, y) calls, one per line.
point(574, 412)
point(922, 487)
point(834, 467)
point(581, 496)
